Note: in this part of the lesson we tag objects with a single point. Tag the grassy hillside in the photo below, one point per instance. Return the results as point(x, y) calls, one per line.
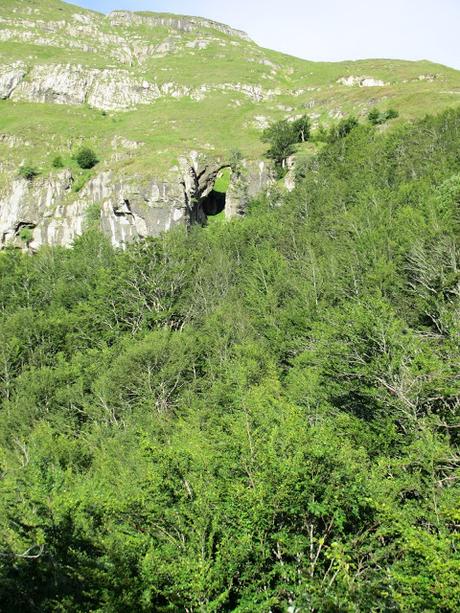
point(234, 87)
point(256, 416)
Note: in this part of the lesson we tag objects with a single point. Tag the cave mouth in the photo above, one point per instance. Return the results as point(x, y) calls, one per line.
point(213, 203)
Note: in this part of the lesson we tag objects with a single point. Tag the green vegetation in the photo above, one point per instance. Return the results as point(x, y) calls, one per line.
point(301, 129)
point(255, 416)
point(342, 129)
point(283, 136)
point(93, 216)
point(26, 235)
point(80, 181)
point(58, 162)
point(86, 158)
point(378, 118)
point(28, 172)
point(223, 181)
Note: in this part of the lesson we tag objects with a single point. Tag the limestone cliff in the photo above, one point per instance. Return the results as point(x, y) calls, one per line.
point(126, 209)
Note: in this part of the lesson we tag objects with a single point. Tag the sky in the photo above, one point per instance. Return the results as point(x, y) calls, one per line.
point(328, 30)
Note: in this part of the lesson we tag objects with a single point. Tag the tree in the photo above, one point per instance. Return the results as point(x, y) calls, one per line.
point(301, 128)
point(280, 137)
point(283, 136)
point(343, 128)
point(86, 158)
point(262, 417)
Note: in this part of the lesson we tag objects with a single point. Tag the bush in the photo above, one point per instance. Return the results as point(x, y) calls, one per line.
point(321, 135)
point(374, 116)
point(26, 235)
point(377, 118)
point(392, 114)
point(86, 158)
point(58, 162)
point(28, 172)
point(301, 128)
point(343, 129)
point(280, 137)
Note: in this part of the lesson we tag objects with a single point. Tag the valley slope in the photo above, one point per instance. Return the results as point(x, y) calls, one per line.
point(163, 100)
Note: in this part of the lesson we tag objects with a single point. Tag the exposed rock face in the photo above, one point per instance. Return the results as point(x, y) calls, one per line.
point(128, 209)
point(428, 77)
point(107, 89)
point(74, 84)
point(197, 180)
point(10, 76)
point(59, 84)
point(183, 24)
point(32, 204)
point(353, 81)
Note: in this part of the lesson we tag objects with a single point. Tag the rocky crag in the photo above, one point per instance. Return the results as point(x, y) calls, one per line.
point(127, 209)
point(164, 100)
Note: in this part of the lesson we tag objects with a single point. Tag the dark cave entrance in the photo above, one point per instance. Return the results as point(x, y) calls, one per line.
point(206, 199)
point(213, 203)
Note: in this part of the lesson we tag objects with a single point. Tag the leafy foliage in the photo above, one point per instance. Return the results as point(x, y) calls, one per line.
point(28, 172)
point(86, 158)
point(58, 162)
point(249, 417)
point(283, 136)
point(26, 235)
point(377, 118)
point(342, 129)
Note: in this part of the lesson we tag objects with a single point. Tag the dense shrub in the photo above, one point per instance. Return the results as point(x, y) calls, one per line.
point(377, 118)
point(28, 172)
point(342, 129)
point(86, 158)
point(58, 162)
point(26, 235)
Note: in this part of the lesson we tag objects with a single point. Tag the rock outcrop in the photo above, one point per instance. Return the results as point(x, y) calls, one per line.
point(103, 89)
point(182, 24)
point(115, 69)
point(10, 77)
point(108, 89)
point(353, 81)
point(127, 208)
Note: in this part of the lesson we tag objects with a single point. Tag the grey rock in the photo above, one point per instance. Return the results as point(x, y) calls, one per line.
point(248, 180)
point(131, 208)
point(10, 77)
point(183, 24)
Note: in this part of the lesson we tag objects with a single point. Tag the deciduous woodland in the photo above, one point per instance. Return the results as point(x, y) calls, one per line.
point(260, 415)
